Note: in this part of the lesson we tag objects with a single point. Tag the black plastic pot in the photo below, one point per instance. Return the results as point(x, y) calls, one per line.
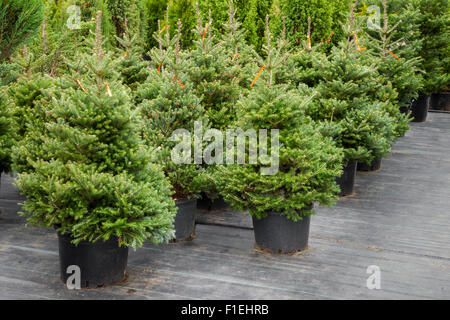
point(405, 109)
point(419, 108)
point(185, 220)
point(440, 101)
point(373, 166)
point(278, 234)
point(101, 263)
point(347, 181)
point(205, 203)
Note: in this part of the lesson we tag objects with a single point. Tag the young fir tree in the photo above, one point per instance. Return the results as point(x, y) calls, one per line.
point(219, 75)
point(167, 104)
point(435, 52)
point(308, 162)
point(351, 104)
point(96, 179)
point(133, 69)
point(405, 16)
point(239, 54)
point(394, 67)
point(298, 69)
point(213, 80)
point(60, 36)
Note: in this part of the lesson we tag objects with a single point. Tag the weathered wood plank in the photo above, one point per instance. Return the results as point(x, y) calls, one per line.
point(399, 220)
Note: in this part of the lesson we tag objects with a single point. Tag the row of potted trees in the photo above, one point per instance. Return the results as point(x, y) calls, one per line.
point(94, 136)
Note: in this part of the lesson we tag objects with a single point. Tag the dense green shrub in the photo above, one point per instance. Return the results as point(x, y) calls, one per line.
point(20, 21)
point(32, 99)
point(96, 179)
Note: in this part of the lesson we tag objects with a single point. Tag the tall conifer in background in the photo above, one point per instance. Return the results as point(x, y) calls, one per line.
point(20, 22)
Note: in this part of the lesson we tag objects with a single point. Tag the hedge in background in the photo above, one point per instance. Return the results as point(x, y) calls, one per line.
point(183, 10)
point(326, 17)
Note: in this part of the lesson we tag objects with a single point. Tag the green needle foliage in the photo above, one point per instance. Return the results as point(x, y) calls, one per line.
point(32, 99)
point(96, 179)
point(20, 21)
point(346, 109)
point(308, 161)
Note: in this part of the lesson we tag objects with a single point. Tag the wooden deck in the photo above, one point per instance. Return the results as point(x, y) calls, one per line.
point(399, 220)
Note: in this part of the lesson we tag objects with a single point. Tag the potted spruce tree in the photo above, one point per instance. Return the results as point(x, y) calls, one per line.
point(218, 72)
point(343, 107)
point(397, 60)
point(371, 118)
point(167, 103)
point(228, 61)
point(304, 70)
point(95, 181)
point(396, 47)
point(281, 200)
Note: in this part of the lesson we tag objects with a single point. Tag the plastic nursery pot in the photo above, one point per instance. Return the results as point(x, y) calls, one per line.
point(278, 234)
point(440, 101)
point(347, 181)
point(373, 166)
point(405, 109)
point(185, 220)
point(205, 203)
point(419, 108)
point(101, 263)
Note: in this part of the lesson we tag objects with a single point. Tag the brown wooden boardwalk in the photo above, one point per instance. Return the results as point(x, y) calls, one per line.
point(398, 220)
